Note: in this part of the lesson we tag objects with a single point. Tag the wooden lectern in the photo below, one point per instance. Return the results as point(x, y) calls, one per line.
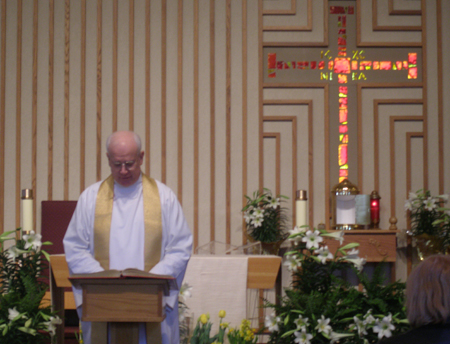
point(123, 303)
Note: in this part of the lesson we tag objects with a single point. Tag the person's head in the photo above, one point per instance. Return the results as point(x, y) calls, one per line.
point(125, 157)
point(428, 292)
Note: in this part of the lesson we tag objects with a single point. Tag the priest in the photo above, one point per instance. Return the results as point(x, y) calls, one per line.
point(129, 220)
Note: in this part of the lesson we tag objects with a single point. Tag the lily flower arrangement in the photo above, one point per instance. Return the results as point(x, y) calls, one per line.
point(322, 307)
point(430, 219)
point(265, 217)
point(23, 319)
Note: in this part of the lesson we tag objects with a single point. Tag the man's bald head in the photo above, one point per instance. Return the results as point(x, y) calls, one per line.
point(122, 137)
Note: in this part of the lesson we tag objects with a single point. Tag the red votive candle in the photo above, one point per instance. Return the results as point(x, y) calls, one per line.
point(374, 209)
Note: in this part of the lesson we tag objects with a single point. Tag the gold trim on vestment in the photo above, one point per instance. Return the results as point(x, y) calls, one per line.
point(152, 222)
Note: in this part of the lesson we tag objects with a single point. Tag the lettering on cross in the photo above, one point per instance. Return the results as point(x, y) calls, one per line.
point(343, 66)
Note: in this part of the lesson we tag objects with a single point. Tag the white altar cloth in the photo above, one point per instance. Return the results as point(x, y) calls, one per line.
point(219, 282)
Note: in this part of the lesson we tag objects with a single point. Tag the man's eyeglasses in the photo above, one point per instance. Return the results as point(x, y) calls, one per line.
point(128, 164)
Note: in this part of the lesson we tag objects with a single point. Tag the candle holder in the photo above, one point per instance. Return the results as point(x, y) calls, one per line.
point(343, 205)
point(374, 209)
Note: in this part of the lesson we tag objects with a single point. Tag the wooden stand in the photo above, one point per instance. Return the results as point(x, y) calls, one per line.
point(123, 303)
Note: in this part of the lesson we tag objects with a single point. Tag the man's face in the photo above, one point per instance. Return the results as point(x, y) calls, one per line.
point(125, 163)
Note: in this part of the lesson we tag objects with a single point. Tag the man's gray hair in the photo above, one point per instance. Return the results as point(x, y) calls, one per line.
point(136, 137)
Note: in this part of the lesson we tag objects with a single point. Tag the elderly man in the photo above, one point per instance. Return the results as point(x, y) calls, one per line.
point(129, 221)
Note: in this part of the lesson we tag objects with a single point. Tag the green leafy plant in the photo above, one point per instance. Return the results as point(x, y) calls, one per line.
point(265, 218)
point(322, 307)
point(23, 319)
point(430, 220)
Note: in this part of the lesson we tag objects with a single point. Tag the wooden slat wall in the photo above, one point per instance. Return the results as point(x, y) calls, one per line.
point(187, 76)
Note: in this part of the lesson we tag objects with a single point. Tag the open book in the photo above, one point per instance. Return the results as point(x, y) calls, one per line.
point(127, 273)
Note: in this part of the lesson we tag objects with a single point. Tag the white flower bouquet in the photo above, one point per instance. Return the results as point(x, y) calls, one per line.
point(322, 307)
point(23, 319)
point(430, 220)
point(265, 218)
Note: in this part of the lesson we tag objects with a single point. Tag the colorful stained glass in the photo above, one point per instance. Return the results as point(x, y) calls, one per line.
point(330, 65)
point(365, 65)
point(354, 65)
point(279, 64)
point(343, 157)
point(321, 64)
point(343, 101)
point(272, 61)
point(272, 73)
point(385, 65)
point(313, 64)
point(343, 115)
point(337, 9)
point(343, 129)
point(412, 73)
point(343, 90)
point(412, 58)
point(376, 65)
point(342, 79)
point(342, 31)
point(341, 65)
point(344, 138)
point(342, 41)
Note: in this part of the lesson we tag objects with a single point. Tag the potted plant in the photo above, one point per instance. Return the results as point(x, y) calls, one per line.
point(23, 318)
point(322, 307)
point(266, 220)
point(430, 222)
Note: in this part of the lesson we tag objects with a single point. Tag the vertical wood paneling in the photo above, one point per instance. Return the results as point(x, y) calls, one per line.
point(66, 98)
point(244, 112)
point(196, 113)
point(147, 86)
point(180, 100)
point(115, 63)
point(228, 123)
point(83, 97)
point(51, 68)
point(440, 85)
point(212, 107)
point(34, 108)
point(131, 68)
point(260, 100)
point(99, 89)
point(163, 90)
point(18, 109)
point(424, 94)
point(2, 114)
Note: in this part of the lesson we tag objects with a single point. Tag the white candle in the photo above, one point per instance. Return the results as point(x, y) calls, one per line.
point(301, 208)
point(27, 211)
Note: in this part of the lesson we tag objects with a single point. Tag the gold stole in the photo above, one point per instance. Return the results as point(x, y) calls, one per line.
point(152, 224)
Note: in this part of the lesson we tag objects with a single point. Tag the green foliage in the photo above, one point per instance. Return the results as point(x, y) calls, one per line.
point(326, 307)
point(22, 318)
point(429, 218)
point(266, 219)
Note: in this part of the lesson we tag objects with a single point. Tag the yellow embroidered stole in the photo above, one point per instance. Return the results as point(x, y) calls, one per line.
point(152, 222)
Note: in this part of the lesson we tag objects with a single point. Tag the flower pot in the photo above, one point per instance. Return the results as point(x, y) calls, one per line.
point(427, 245)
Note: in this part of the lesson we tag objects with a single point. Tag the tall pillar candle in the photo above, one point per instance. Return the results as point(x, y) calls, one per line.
point(301, 208)
point(27, 211)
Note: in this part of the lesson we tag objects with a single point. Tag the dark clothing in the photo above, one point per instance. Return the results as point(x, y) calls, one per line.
point(428, 334)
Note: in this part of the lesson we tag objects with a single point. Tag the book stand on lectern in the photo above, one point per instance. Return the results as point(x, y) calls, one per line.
point(123, 303)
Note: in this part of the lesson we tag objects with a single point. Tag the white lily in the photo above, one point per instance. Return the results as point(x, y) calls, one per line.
point(12, 313)
point(185, 291)
point(271, 322)
point(33, 240)
point(274, 203)
point(323, 254)
point(358, 262)
point(295, 234)
point(337, 235)
point(292, 263)
point(384, 327)
point(352, 254)
point(322, 325)
point(302, 337)
point(360, 325)
point(430, 203)
point(312, 239)
point(51, 324)
point(13, 252)
point(334, 336)
point(301, 323)
point(257, 222)
point(258, 212)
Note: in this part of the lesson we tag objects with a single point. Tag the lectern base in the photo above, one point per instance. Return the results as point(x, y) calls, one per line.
point(124, 333)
